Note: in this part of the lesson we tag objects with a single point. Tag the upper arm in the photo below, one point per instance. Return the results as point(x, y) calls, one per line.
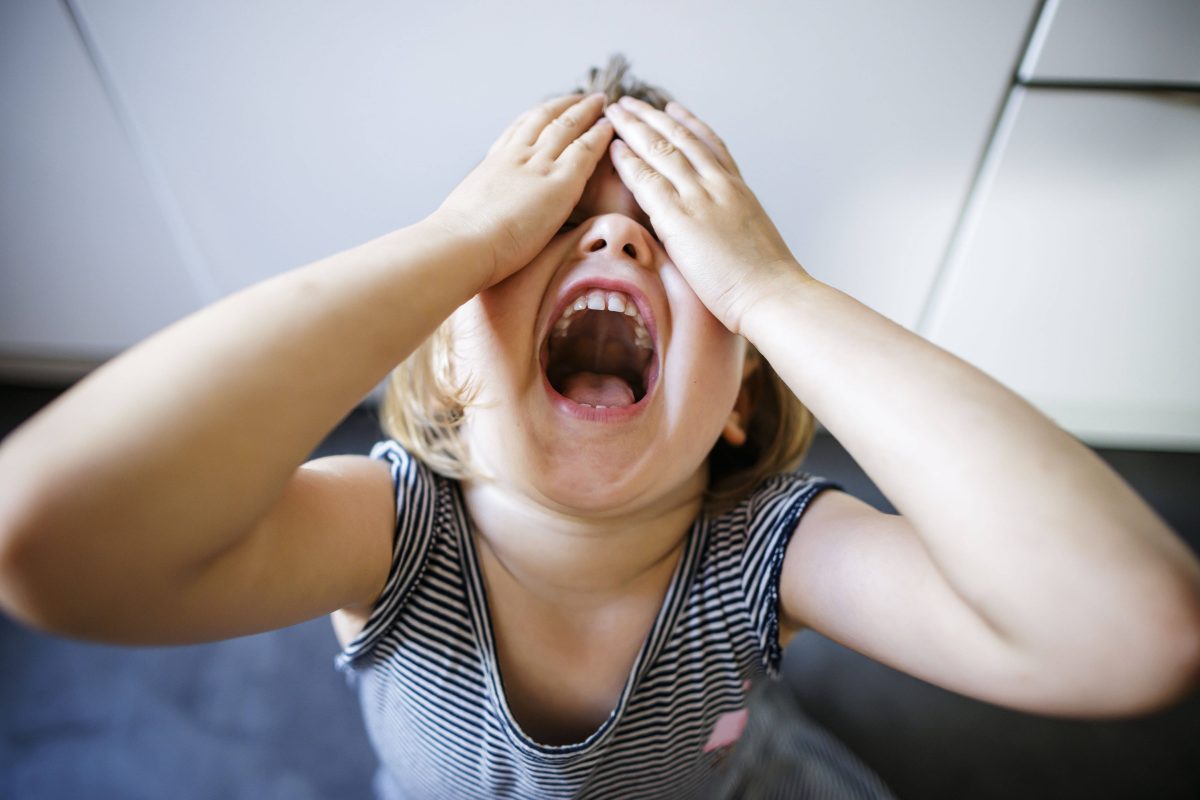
point(865, 579)
point(324, 544)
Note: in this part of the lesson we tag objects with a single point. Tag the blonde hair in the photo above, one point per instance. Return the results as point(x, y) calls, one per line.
point(424, 401)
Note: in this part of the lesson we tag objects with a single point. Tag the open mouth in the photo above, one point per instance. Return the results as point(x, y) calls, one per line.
point(600, 353)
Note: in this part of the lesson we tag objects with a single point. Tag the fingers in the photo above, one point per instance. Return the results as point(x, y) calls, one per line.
point(584, 153)
point(505, 137)
point(565, 129)
point(698, 153)
point(530, 122)
point(528, 132)
point(650, 189)
point(654, 150)
point(704, 133)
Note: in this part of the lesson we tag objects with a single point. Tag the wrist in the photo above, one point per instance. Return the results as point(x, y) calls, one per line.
point(474, 247)
point(772, 302)
point(778, 287)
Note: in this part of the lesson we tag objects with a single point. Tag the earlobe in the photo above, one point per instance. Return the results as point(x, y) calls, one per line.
point(733, 432)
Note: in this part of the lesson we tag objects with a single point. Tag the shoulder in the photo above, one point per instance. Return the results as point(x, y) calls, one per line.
point(780, 501)
point(765, 518)
point(758, 531)
point(401, 462)
point(415, 486)
point(397, 558)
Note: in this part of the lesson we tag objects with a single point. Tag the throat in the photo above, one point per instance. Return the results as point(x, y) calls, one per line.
point(573, 561)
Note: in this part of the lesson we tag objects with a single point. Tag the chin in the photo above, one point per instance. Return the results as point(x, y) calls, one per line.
point(580, 486)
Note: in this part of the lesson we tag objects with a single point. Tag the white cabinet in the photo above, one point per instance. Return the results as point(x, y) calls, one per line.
point(1077, 275)
point(1116, 41)
point(87, 264)
point(290, 130)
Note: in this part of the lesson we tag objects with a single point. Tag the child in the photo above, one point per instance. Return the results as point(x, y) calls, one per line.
point(551, 581)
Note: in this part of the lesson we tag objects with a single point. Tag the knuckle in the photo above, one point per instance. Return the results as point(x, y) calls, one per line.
point(568, 121)
point(661, 147)
point(682, 132)
point(645, 174)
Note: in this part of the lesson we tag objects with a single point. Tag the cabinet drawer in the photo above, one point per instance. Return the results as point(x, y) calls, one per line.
point(1116, 41)
point(1076, 277)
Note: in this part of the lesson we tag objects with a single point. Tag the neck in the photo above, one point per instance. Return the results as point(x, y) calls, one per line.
point(578, 561)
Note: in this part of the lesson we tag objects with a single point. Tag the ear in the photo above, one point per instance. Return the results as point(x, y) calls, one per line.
point(734, 432)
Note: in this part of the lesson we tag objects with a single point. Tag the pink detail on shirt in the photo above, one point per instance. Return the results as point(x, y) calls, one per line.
point(729, 726)
point(727, 730)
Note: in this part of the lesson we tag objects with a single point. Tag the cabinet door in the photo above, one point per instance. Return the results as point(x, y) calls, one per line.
point(1116, 41)
point(89, 266)
point(1077, 277)
point(291, 130)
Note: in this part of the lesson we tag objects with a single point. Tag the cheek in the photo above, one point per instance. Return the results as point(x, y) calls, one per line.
point(721, 369)
point(709, 374)
point(494, 333)
point(481, 351)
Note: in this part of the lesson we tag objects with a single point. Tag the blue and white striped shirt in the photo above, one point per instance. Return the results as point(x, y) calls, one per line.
point(427, 674)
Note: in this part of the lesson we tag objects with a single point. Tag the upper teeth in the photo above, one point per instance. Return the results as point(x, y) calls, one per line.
point(605, 300)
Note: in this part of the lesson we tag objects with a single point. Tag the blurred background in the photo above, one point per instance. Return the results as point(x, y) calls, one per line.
point(1018, 182)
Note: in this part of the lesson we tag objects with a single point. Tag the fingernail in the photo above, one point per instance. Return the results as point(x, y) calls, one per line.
point(626, 100)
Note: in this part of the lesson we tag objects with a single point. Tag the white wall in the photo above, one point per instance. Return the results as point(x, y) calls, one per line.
point(157, 156)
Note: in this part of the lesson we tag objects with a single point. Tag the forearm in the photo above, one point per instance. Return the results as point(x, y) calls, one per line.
point(176, 447)
point(1027, 524)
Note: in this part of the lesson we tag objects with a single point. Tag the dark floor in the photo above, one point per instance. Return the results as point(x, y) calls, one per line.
point(267, 717)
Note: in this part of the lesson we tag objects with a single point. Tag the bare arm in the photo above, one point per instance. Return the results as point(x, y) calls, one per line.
point(1030, 573)
point(168, 454)
point(170, 477)
point(1057, 554)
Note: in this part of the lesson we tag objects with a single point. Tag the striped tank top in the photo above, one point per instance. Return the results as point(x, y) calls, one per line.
point(428, 679)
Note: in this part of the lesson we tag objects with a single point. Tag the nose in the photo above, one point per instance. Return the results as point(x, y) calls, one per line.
point(621, 236)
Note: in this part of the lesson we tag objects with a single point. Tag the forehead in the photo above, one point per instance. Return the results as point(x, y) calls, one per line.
point(606, 194)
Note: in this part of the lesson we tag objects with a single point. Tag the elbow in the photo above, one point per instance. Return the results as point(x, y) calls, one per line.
point(1184, 677)
point(1168, 670)
point(1144, 665)
point(13, 554)
point(1169, 683)
point(21, 597)
point(31, 589)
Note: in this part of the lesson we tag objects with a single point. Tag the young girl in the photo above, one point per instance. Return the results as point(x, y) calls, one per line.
point(560, 573)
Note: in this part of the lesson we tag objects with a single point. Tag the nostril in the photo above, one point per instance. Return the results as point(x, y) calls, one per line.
point(629, 251)
point(596, 245)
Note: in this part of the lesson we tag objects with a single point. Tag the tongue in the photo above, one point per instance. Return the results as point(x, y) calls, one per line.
point(597, 390)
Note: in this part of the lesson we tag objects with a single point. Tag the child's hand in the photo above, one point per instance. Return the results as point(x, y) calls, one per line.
point(522, 192)
point(709, 221)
